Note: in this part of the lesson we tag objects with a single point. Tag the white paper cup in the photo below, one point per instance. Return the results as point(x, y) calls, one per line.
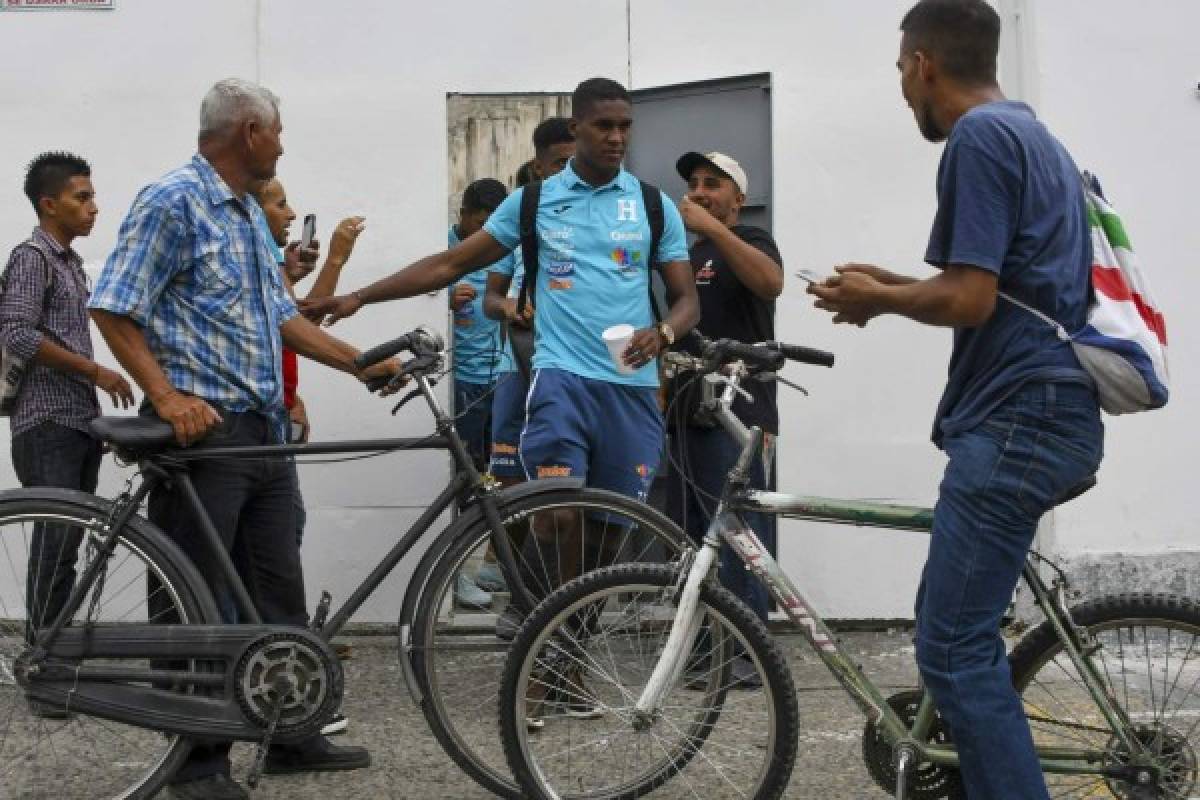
point(617, 338)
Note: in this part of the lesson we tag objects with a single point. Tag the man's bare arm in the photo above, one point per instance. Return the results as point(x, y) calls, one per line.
point(429, 274)
point(190, 416)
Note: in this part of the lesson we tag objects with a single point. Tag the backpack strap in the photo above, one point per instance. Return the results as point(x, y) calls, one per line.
point(652, 202)
point(530, 195)
point(30, 243)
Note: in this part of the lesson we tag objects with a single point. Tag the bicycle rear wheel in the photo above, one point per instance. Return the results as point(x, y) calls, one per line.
point(1147, 651)
point(51, 752)
point(596, 642)
point(459, 650)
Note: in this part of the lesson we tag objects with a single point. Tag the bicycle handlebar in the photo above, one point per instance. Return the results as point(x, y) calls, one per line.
point(421, 341)
point(767, 356)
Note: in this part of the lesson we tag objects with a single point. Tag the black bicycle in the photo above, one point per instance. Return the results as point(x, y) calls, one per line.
point(102, 700)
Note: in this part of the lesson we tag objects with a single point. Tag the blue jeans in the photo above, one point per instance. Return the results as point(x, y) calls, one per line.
point(706, 457)
point(1002, 477)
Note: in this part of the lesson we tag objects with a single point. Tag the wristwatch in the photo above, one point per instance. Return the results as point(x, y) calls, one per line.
point(666, 332)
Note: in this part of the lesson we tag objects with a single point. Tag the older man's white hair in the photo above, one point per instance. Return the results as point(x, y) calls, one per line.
point(233, 100)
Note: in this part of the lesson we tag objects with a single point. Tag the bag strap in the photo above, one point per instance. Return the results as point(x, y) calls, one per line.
point(1046, 318)
point(652, 201)
point(531, 194)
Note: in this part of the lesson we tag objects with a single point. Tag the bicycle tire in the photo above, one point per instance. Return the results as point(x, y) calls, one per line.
point(120, 773)
point(1162, 629)
point(464, 723)
point(547, 630)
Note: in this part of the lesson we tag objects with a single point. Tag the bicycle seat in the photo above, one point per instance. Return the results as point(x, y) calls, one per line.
point(1076, 490)
point(136, 435)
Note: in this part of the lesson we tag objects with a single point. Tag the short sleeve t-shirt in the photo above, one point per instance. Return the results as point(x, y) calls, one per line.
point(1010, 201)
point(477, 351)
point(593, 268)
point(729, 310)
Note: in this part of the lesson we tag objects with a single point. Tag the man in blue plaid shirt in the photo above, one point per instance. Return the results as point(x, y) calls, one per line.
point(192, 304)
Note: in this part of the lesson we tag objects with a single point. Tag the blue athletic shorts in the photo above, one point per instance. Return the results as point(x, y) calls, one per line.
point(508, 419)
point(609, 434)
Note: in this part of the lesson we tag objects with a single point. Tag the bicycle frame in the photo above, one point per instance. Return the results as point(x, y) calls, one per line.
point(200, 716)
point(728, 526)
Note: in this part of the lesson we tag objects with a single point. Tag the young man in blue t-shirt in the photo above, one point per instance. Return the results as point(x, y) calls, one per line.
point(1019, 418)
point(585, 416)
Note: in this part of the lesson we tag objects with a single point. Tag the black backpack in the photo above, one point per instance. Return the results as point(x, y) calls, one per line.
point(522, 338)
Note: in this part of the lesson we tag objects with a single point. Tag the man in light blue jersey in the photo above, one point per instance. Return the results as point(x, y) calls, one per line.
point(553, 146)
point(587, 415)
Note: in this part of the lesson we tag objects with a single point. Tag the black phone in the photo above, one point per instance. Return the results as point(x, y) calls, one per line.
point(310, 230)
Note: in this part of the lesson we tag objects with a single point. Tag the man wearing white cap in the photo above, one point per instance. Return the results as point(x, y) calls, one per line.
point(738, 273)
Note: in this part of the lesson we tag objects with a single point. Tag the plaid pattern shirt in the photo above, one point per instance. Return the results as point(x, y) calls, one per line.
point(45, 298)
point(192, 268)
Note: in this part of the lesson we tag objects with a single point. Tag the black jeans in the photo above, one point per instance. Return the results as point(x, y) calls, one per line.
point(53, 455)
point(251, 502)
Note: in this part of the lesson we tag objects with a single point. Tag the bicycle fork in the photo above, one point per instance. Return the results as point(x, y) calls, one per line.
point(686, 626)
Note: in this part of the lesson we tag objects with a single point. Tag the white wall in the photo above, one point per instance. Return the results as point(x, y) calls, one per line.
point(364, 85)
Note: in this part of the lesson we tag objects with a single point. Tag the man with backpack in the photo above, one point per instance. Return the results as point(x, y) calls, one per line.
point(44, 324)
point(1019, 418)
point(598, 232)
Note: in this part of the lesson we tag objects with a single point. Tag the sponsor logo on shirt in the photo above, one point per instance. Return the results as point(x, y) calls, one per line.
point(560, 283)
point(626, 236)
point(500, 447)
point(559, 234)
point(643, 471)
point(705, 274)
point(565, 207)
point(626, 259)
point(561, 269)
point(464, 316)
point(554, 472)
point(627, 210)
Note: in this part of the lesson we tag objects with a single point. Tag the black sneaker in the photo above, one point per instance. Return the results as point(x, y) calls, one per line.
point(743, 674)
point(337, 725)
point(314, 755)
point(508, 623)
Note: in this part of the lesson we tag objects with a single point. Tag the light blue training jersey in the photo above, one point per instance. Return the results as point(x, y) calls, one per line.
point(593, 255)
point(478, 356)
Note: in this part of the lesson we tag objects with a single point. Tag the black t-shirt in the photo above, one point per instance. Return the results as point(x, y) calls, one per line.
point(729, 310)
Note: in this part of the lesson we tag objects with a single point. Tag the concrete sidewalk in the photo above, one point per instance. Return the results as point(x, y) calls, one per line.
point(409, 763)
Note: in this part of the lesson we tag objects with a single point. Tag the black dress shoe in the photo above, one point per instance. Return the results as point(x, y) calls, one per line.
point(210, 787)
point(314, 755)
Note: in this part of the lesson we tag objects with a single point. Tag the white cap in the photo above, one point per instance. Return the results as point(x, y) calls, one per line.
point(719, 161)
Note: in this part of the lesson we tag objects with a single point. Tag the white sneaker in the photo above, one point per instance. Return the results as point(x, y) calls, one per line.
point(338, 724)
point(468, 595)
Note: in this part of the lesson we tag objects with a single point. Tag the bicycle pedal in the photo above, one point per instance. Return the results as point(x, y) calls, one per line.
point(322, 612)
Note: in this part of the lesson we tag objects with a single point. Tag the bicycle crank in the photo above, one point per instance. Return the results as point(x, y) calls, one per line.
point(923, 781)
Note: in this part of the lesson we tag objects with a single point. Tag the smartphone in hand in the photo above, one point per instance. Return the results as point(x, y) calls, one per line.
point(310, 230)
point(809, 276)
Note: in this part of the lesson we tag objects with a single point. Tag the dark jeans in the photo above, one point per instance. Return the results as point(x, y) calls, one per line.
point(1002, 477)
point(53, 455)
point(252, 503)
point(473, 409)
point(706, 456)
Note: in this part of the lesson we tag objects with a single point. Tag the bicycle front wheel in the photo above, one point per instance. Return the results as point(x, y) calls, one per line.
point(459, 645)
point(1146, 649)
point(46, 540)
point(593, 645)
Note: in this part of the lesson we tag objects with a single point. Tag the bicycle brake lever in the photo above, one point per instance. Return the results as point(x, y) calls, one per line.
point(780, 379)
point(404, 400)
